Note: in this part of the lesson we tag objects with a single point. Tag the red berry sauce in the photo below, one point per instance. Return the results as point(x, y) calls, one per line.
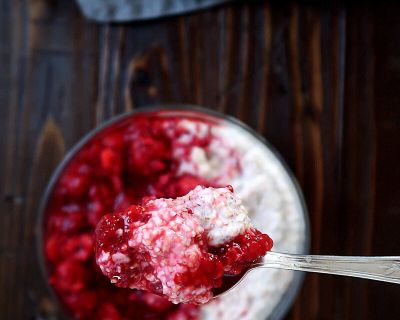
point(124, 164)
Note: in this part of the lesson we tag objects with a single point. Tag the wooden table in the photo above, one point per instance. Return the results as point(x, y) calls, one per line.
point(321, 83)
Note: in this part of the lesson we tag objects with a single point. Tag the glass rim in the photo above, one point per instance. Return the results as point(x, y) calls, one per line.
point(292, 290)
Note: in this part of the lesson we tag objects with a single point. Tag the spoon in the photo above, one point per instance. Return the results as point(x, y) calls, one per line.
point(385, 269)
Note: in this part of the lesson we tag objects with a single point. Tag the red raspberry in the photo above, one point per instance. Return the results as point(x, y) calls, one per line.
point(243, 250)
point(102, 192)
point(186, 183)
point(111, 161)
point(155, 302)
point(106, 231)
point(70, 276)
point(79, 247)
point(147, 156)
point(95, 211)
point(114, 140)
point(108, 311)
point(76, 180)
point(185, 312)
point(82, 303)
point(123, 200)
point(52, 248)
point(67, 223)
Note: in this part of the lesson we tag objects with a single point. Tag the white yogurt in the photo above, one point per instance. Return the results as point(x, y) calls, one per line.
point(274, 207)
point(220, 212)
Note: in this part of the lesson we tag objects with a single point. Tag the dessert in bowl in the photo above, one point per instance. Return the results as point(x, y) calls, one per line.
point(186, 249)
point(165, 153)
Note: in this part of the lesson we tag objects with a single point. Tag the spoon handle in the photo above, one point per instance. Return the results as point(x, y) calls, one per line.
point(376, 268)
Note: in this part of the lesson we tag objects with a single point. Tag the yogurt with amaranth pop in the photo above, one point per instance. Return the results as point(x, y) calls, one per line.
point(274, 207)
point(165, 154)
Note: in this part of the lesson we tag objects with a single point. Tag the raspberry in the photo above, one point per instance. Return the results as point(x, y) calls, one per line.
point(52, 248)
point(155, 302)
point(243, 250)
point(102, 193)
point(70, 276)
point(186, 312)
point(106, 231)
point(76, 180)
point(147, 156)
point(110, 161)
point(82, 303)
point(67, 223)
point(123, 200)
point(108, 311)
point(95, 210)
point(78, 247)
point(114, 140)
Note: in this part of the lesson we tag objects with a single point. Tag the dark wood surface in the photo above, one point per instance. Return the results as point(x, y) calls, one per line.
point(321, 83)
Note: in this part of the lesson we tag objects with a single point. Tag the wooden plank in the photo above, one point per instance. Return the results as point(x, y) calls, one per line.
point(384, 239)
point(12, 44)
point(359, 153)
point(266, 31)
point(42, 79)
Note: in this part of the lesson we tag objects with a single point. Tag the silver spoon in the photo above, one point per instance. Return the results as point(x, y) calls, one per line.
point(375, 268)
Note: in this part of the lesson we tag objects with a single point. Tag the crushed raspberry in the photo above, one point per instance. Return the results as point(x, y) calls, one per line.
point(111, 161)
point(108, 311)
point(155, 301)
point(84, 301)
point(78, 247)
point(70, 276)
point(76, 180)
point(186, 312)
point(135, 159)
point(147, 156)
point(180, 248)
point(244, 248)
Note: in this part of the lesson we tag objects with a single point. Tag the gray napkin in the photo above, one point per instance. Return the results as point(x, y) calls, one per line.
point(130, 10)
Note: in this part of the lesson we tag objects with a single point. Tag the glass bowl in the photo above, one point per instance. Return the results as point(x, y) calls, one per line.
point(193, 112)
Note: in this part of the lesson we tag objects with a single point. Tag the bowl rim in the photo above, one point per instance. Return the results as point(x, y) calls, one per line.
point(293, 289)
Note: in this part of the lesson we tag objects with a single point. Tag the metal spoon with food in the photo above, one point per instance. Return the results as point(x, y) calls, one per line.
point(194, 248)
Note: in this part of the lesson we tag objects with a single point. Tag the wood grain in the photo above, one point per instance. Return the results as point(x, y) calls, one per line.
point(321, 83)
point(265, 68)
point(49, 151)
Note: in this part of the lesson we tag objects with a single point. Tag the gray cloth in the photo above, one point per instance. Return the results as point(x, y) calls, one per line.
point(130, 10)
